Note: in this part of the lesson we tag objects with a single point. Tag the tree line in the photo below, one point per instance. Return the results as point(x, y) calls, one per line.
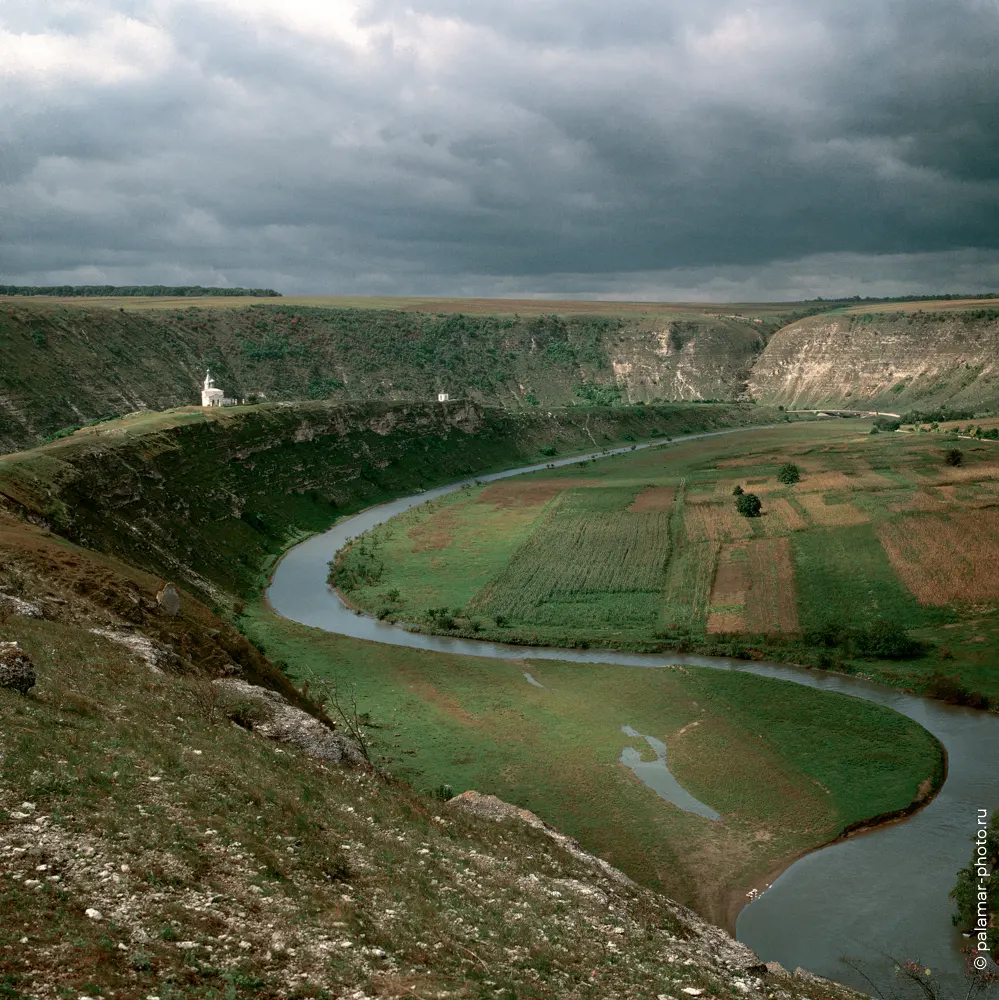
point(87, 291)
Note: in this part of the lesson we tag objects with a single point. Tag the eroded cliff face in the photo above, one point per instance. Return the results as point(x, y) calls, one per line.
point(689, 361)
point(888, 361)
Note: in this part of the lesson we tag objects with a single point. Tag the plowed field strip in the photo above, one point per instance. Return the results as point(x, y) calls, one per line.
point(943, 560)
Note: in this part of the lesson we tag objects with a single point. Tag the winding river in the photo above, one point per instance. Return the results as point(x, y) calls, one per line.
point(876, 894)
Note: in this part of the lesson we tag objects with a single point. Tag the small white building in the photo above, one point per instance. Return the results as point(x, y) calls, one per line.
point(442, 397)
point(210, 395)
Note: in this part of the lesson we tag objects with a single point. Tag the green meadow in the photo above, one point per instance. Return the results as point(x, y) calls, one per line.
point(787, 767)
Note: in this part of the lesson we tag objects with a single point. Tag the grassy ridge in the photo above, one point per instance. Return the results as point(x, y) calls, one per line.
point(213, 498)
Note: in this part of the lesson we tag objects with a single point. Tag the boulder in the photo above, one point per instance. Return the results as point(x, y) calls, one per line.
point(168, 599)
point(17, 672)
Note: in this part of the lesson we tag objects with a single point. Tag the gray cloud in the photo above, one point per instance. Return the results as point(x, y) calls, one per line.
point(518, 147)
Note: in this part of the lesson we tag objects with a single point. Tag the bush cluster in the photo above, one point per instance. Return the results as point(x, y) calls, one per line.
point(748, 505)
point(789, 474)
point(882, 639)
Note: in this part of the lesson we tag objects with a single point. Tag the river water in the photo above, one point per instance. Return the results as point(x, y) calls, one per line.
point(880, 893)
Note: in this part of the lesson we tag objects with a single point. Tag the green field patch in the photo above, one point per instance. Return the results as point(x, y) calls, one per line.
point(853, 748)
point(583, 555)
point(844, 576)
point(686, 589)
point(440, 554)
point(605, 499)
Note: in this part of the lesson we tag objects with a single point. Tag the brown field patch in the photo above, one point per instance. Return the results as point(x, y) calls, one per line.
point(925, 500)
point(529, 493)
point(779, 517)
point(728, 591)
point(770, 601)
point(945, 475)
point(437, 532)
point(725, 622)
point(831, 515)
point(747, 461)
point(842, 482)
point(945, 560)
point(715, 522)
point(972, 473)
point(653, 498)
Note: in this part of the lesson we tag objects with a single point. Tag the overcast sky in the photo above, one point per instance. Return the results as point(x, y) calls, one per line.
point(650, 149)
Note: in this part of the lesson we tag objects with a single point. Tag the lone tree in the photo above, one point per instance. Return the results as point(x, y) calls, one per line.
point(789, 474)
point(748, 505)
point(954, 456)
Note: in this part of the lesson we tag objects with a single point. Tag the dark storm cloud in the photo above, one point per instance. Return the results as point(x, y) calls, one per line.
point(642, 148)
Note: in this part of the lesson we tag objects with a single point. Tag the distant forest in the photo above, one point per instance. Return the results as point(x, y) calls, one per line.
point(86, 291)
point(948, 297)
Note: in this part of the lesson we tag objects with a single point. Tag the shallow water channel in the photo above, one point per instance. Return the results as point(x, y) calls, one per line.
point(655, 774)
point(883, 892)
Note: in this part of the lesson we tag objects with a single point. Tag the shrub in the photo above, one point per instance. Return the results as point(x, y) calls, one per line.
point(748, 505)
point(949, 688)
point(737, 490)
point(829, 634)
point(789, 474)
point(885, 640)
point(954, 456)
point(443, 792)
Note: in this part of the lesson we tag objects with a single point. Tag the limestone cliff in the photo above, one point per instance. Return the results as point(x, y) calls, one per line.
point(893, 361)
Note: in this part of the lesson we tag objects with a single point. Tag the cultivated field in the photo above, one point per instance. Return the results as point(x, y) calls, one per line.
point(467, 307)
point(647, 551)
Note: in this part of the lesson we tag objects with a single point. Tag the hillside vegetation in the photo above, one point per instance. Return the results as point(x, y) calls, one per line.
point(65, 365)
point(210, 498)
point(68, 363)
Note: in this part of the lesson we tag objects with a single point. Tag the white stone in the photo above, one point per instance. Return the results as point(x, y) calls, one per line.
point(168, 599)
point(93, 914)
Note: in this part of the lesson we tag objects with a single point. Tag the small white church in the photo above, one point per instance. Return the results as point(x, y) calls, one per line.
point(211, 395)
